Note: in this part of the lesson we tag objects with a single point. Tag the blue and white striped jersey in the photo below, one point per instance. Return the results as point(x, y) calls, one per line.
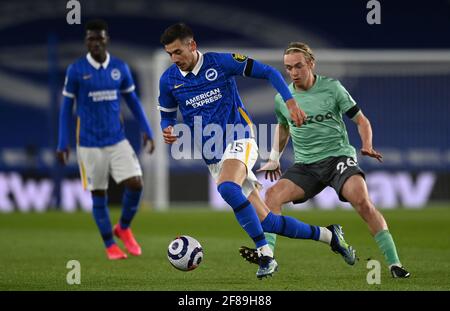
point(208, 91)
point(97, 88)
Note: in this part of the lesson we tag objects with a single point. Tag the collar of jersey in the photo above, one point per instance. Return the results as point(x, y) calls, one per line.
point(197, 66)
point(96, 64)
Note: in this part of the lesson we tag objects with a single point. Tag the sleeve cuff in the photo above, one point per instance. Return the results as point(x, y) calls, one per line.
point(128, 90)
point(67, 94)
point(167, 109)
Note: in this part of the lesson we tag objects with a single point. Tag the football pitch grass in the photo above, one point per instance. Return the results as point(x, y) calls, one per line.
point(35, 249)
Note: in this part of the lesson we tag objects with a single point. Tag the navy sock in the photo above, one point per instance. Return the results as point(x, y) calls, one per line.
point(243, 210)
point(290, 227)
point(130, 204)
point(101, 215)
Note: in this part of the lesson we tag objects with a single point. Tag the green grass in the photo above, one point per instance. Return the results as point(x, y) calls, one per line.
point(36, 247)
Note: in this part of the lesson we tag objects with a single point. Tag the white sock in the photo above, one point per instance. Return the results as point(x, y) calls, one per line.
point(265, 250)
point(325, 235)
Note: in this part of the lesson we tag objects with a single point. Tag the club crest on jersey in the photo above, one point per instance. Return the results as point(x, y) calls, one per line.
point(115, 74)
point(211, 74)
point(239, 57)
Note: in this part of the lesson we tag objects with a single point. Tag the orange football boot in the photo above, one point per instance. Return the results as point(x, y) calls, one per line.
point(128, 239)
point(114, 252)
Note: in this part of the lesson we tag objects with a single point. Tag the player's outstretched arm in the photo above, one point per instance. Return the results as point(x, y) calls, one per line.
point(148, 143)
point(272, 167)
point(297, 114)
point(365, 132)
point(62, 152)
point(168, 109)
point(259, 70)
point(135, 106)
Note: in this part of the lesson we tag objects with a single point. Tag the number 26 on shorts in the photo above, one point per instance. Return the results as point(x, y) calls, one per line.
point(341, 166)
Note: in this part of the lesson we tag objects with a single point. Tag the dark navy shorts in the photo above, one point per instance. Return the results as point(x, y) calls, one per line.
point(314, 177)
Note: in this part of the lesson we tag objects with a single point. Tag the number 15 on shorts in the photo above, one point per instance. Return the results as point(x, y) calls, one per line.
point(237, 147)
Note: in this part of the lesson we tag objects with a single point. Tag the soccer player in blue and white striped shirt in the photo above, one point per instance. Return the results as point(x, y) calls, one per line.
point(95, 82)
point(203, 89)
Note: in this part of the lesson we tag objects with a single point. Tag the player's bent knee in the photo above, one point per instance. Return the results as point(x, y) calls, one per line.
point(134, 183)
point(272, 199)
point(98, 193)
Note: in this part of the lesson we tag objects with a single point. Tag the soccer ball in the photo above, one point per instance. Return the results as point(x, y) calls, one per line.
point(185, 253)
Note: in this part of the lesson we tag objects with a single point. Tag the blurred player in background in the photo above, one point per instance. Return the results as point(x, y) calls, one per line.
point(95, 82)
point(323, 154)
point(203, 86)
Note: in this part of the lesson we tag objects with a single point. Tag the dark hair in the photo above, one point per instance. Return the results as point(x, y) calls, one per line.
point(176, 31)
point(97, 24)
